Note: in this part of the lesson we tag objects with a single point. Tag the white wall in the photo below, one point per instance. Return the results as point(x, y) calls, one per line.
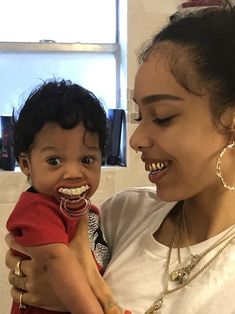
point(145, 17)
point(11, 184)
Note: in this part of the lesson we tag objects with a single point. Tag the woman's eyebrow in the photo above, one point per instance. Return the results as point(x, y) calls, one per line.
point(158, 97)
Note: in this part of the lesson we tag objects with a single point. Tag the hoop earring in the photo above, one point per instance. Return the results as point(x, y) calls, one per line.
point(76, 213)
point(218, 167)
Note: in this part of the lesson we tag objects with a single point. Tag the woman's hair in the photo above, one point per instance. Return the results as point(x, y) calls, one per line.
point(61, 102)
point(199, 50)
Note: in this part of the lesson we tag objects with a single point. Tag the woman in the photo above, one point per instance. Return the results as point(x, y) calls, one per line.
point(173, 250)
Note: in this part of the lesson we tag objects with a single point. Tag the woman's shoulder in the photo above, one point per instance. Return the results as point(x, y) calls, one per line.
point(143, 200)
point(131, 197)
point(130, 211)
point(132, 194)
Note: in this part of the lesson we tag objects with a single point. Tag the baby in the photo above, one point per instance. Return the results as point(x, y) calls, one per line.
point(59, 140)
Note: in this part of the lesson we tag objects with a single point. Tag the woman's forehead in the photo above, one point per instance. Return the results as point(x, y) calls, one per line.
point(154, 77)
point(169, 65)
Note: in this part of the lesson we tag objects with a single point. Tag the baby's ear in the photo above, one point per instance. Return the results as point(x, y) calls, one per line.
point(24, 164)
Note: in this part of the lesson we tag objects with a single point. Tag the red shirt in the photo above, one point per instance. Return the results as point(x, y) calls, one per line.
point(37, 220)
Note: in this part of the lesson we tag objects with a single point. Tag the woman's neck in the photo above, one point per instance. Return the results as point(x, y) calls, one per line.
point(207, 216)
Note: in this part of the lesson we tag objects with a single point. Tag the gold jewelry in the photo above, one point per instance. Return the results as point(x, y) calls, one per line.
point(218, 167)
point(17, 271)
point(185, 277)
point(75, 213)
point(182, 273)
point(22, 306)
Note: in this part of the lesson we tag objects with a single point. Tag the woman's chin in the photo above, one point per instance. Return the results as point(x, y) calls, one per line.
point(167, 195)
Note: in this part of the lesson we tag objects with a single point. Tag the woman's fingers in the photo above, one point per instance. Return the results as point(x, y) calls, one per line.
point(26, 266)
point(17, 281)
point(32, 283)
point(46, 299)
point(29, 271)
point(9, 239)
point(27, 298)
point(11, 260)
point(11, 242)
point(15, 293)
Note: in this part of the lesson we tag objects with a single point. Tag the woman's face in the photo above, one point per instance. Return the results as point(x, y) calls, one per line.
point(175, 135)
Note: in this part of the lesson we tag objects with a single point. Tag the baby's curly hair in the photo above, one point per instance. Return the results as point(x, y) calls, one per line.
point(62, 102)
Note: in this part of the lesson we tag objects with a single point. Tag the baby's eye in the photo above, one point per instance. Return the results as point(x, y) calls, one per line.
point(88, 160)
point(54, 161)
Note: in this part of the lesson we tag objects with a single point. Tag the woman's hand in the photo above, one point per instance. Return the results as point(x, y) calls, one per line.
point(37, 290)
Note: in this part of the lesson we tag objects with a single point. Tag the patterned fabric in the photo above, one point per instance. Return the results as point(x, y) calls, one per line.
point(97, 241)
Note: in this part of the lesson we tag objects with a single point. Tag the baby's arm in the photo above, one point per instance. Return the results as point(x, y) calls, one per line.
point(80, 245)
point(66, 277)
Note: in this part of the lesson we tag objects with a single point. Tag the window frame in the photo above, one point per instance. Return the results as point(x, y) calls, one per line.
point(46, 46)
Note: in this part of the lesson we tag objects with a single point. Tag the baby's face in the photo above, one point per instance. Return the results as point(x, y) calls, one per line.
point(68, 160)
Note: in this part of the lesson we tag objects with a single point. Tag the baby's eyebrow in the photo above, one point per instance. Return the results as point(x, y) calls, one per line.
point(48, 148)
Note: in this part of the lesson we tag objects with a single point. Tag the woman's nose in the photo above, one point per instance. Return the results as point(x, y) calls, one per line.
point(140, 139)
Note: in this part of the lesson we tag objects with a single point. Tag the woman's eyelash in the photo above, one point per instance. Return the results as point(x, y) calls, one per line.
point(163, 121)
point(157, 120)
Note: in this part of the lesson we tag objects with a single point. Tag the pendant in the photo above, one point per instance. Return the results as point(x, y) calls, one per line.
point(179, 275)
point(155, 307)
point(174, 276)
point(194, 260)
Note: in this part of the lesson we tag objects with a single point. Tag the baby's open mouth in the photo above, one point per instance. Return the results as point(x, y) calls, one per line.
point(73, 201)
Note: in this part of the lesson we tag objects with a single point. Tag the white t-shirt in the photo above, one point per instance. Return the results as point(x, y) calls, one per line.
point(136, 270)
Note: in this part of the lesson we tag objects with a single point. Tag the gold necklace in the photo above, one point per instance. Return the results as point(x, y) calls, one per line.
point(159, 302)
point(181, 274)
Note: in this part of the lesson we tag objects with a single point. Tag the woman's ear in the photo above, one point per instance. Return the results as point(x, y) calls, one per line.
point(228, 121)
point(24, 164)
point(233, 127)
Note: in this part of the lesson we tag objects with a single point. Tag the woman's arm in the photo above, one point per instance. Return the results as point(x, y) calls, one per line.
point(66, 277)
point(38, 291)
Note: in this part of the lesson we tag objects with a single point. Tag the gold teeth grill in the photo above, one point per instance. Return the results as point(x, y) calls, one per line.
point(74, 191)
point(158, 166)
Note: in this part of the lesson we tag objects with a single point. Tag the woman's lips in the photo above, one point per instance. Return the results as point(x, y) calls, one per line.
point(157, 170)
